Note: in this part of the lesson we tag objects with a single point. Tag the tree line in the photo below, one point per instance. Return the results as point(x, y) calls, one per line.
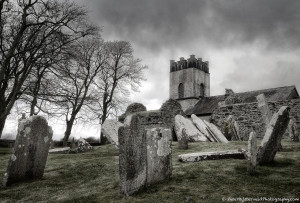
point(53, 60)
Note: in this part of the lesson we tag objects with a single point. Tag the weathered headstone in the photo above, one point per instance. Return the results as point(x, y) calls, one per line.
point(272, 139)
point(110, 130)
point(252, 151)
point(264, 108)
point(202, 128)
point(230, 129)
point(203, 156)
point(192, 132)
point(30, 151)
point(144, 153)
point(159, 154)
point(183, 142)
point(293, 131)
point(83, 146)
point(215, 132)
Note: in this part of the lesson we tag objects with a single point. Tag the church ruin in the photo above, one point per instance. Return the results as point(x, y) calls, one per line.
point(190, 86)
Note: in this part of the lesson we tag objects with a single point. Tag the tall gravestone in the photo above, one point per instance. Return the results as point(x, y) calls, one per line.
point(272, 139)
point(264, 108)
point(183, 141)
point(144, 153)
point(159, 154)
point(252, 150)
point(293, 131)
point(30, 151)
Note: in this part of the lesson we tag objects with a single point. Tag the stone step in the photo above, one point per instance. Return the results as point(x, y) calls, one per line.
point(202, 156)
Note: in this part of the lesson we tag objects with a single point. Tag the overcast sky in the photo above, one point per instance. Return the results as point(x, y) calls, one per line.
point(250, 45)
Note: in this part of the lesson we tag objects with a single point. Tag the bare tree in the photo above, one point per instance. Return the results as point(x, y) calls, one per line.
point(121, 73)
point(27, 30)
point(76, 80)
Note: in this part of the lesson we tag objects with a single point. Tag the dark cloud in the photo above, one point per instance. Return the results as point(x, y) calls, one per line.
point(179, 24)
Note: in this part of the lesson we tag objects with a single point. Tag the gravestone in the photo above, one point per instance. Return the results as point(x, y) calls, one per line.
point(252, 151)
point(272, 139)
point(202, 128)
point(83, 146)
point(194, 135)
point(159, 154)
point(110, 130)
point(183, 142)
point(144, 152)
point(230, 129)
point(264, 109)
point(215, 132)
point(203, 156)
point(64, 150)
point(293, 131)
point(30, 150)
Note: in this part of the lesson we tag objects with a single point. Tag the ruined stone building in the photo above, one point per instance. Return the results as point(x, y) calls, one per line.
point(190, 86)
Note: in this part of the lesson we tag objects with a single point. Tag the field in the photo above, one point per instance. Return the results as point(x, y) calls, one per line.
point(94, 177)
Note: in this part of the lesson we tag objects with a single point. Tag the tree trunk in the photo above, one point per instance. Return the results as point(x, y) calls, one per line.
point(2, 124)
point(32, 105)
point(68, 131)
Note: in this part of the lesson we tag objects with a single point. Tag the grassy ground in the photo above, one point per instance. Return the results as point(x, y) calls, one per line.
point(94, 177)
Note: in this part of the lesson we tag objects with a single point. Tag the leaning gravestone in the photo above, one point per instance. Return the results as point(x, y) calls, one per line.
point(110, 130)
point(231, 129)
point(183, 142)
point(144, 154)
point(252, 150)
point(30, 151)
point(83, 146)
point(202, 127)
point(272, 139)
point(194, 135)
point(215, 132)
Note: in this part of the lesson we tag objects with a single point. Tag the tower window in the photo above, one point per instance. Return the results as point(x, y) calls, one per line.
point(180, 91)
point(202, 90)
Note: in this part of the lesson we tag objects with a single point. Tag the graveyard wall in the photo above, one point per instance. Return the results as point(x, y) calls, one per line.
point(249, 118)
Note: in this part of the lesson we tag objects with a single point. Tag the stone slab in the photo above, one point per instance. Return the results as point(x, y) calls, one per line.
point(64, 150)
point(159, 154)
point(30, 151)
point(110, 131)
point(183, 142)
point(132, 156)
point(203, 156)
point(216, 132)
point(192, 132)
point(264, 108)
point(272, 138)
point(252, 151)
point(202, 128)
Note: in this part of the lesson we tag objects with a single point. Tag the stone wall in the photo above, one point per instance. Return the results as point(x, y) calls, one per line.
point(249, 117)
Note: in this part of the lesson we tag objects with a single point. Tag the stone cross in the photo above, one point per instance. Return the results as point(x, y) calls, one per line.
point(252, 151)
point(30, 151)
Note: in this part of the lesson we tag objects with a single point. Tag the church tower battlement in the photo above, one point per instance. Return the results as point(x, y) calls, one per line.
point(189, 81)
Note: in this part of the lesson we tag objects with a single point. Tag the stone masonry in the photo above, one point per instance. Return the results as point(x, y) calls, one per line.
point(249, 117)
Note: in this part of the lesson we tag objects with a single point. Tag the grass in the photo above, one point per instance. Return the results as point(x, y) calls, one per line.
point(94, 177)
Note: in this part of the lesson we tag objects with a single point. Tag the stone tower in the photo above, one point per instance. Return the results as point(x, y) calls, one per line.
point(189, 81)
